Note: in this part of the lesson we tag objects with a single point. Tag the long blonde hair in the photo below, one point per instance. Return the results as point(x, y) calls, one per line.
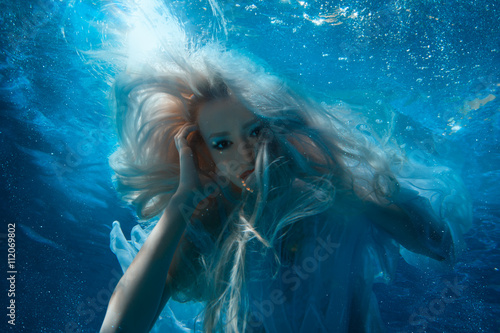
point(308, 161)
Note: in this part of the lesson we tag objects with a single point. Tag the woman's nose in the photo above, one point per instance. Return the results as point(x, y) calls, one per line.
point(247, 151)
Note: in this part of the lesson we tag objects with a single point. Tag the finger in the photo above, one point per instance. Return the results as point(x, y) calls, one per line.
point(186, 158)
point(188, 175)
point(181, 136)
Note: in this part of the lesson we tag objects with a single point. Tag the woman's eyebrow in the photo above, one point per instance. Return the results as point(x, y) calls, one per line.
point(247, 125)
point(250, 123)
point(218, 134)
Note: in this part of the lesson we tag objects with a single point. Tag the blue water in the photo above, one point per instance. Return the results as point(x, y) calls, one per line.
point(434, 63)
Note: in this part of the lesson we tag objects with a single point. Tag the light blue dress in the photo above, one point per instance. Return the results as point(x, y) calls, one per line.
point(324, 282)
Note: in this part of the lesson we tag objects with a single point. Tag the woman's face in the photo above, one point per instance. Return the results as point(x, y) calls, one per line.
point(231, 132)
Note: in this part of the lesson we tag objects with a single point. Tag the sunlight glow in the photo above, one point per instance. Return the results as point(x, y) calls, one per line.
point(141, 41)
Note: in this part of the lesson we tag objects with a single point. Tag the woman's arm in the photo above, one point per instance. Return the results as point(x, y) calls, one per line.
point(399, 224)
point(163, 301)
point(143, 288)
point(428, 216)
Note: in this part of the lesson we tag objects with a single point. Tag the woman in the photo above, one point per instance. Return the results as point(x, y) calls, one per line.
point(275, 215)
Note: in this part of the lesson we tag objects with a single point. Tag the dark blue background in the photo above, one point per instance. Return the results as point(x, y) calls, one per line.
point(422, 59)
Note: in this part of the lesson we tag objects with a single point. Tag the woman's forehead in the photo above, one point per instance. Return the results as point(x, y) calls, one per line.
point(221, 115)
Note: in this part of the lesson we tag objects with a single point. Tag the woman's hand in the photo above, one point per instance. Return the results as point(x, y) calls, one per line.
point(190, 190)
point(189, 179)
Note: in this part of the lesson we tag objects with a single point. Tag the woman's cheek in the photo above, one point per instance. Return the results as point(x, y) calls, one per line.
point(223, 168)
point(230, 169)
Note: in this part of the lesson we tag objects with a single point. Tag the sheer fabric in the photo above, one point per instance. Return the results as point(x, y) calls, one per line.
point(329, 262)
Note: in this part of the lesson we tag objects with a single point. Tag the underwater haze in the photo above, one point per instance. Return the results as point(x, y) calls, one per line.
point(429, 71)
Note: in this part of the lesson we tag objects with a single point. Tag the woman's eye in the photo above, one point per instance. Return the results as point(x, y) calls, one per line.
point(256, 132)
point(221, 145)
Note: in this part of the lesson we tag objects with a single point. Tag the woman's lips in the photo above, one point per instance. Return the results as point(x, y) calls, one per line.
point(245, 174)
